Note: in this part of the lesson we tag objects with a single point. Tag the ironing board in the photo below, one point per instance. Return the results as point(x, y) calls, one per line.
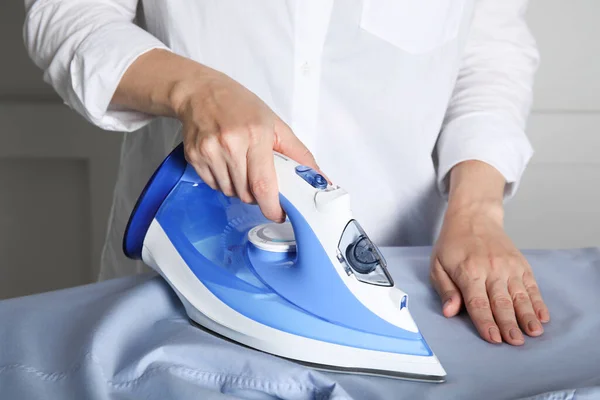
point(129, 338)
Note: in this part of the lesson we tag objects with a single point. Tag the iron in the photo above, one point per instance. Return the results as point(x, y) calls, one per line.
point(313, 289)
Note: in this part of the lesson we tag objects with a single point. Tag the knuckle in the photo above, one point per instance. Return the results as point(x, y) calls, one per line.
point(448, 293)
point(526, 317)
point(191, 154)
point(520, 298)
point(228, 140)
point(502, 302)
point(208, 147)
point(532, 287)
point(528, 278)
point(478, 303)
point(498, 263)
point(514, 263)
point(472, 266)
point(309, 156)
point(255, 130)
point(470, 269)
point(458, 274)
point(261, 187)
point(494, 282)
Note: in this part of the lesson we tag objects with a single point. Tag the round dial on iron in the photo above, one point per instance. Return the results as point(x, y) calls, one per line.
point(273, 237)
point(362, 255)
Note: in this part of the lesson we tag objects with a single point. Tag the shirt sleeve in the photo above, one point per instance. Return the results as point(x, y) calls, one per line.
point(84, 47)
point(489, 107)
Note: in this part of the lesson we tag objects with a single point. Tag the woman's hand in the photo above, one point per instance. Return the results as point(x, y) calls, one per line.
point(229, 138)
point(475, 264)
point(229, 134)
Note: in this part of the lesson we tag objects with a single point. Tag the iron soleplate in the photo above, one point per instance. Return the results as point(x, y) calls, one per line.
point(334, 368)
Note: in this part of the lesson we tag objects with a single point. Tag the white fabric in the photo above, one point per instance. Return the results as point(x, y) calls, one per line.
point(388, 94)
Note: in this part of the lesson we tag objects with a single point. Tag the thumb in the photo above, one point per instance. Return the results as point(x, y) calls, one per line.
point(446, 289)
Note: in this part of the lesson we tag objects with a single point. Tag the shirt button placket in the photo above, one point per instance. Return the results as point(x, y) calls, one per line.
point(312, 20)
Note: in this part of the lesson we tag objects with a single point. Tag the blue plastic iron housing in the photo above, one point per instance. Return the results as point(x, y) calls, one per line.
point(164, 179)
point(299, 293)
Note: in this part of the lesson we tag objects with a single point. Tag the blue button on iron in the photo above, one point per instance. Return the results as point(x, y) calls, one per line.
point(313, 178)
point(300, 169)
point(319, 182)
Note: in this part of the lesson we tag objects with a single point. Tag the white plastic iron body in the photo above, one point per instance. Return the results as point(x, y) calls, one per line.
point(318, 293)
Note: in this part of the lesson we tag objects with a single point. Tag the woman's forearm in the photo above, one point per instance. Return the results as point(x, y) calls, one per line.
point(158, 82)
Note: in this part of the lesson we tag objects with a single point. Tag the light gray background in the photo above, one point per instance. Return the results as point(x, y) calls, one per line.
point(57, 171)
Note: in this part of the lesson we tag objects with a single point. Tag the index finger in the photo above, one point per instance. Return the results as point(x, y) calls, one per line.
point(289, 145)
point(262, 180)
point(478, 306)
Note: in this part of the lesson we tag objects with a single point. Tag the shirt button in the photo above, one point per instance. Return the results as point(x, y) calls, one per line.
point(305, 68)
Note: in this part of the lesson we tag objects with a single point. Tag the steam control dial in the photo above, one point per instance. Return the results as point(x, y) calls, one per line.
point(362, 256)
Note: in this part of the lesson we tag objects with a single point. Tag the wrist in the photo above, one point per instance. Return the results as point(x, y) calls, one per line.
point(476, 209)
point(187, 89)
point(476, 189)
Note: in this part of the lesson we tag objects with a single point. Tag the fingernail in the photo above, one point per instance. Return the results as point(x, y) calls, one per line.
point(516, 334)
point(495, 335)
point(543, 316)
point(447, 302)
point(534, 326)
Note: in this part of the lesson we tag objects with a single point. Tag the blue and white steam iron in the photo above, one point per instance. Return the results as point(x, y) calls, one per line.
point(314, 290)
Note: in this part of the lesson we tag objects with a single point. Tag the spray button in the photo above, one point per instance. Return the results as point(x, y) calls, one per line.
point(320, 181)
point(313, 178)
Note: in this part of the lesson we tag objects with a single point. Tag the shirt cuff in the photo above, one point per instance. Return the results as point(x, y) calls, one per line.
point(487, 138)
point(96, 69)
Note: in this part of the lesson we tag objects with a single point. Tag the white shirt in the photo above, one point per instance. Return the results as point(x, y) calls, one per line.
point(389, 95)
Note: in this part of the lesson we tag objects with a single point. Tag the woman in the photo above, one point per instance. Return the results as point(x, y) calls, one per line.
point(417, 108)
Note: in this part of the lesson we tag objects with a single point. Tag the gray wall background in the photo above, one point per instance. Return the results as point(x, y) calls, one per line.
point(57, 171)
